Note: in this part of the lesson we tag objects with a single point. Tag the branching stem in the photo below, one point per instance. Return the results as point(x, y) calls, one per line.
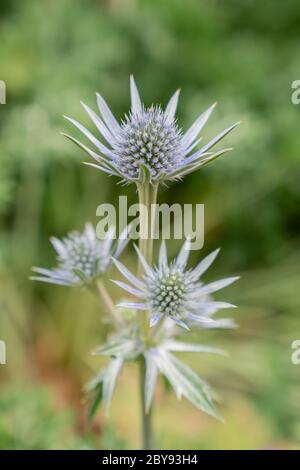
point(108, 302)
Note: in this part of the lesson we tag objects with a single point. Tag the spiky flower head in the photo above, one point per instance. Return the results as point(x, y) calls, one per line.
point(147, 138)
point(81, 257)
point(172, 291)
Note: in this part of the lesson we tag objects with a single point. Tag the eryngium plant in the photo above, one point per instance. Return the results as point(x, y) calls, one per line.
point(166, 299)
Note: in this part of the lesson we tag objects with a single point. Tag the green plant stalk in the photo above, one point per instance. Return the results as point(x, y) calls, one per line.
point(147, 194)
point(108, 302)
point(147, 434)
point(147, 199)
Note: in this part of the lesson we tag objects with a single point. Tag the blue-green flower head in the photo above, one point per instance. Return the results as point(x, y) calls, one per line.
point(147, 137)
point(169, 290)
point(82, 257)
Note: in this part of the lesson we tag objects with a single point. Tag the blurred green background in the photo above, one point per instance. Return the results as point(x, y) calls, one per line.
point(245, 55)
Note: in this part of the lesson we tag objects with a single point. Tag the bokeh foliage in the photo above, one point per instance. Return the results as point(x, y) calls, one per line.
point(244, 54)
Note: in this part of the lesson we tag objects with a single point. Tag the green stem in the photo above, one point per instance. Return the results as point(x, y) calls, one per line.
point(107, 300)
point(146, 417)
point(147, 198)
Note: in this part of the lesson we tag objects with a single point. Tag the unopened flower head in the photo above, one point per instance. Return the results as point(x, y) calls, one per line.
point(172, 291)
point(147, 137)
point(81, 257)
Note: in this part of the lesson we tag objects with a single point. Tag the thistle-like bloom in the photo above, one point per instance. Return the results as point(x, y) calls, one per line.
point(172, 291)
point(82, 257)
point(147, 137)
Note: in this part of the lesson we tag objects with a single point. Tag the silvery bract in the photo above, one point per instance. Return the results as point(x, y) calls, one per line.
point(82, 257)
point(160, 358)
point(147, 137)
point(172, 291)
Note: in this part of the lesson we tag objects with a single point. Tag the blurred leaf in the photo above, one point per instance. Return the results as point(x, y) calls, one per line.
point(151, 373)
point(96, 400)
point(109, 380)
point(185, 382)
point(173, 345)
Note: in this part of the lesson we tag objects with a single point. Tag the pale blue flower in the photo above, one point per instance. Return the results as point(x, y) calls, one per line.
point(147, 137)
point(81, 257)
point(172, 291)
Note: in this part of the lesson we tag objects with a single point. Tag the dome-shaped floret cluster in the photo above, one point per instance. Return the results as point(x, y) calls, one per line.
point(147, 137)
point(81, 257)
point(80, 253)
point(172, 291)
point(168, 293)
